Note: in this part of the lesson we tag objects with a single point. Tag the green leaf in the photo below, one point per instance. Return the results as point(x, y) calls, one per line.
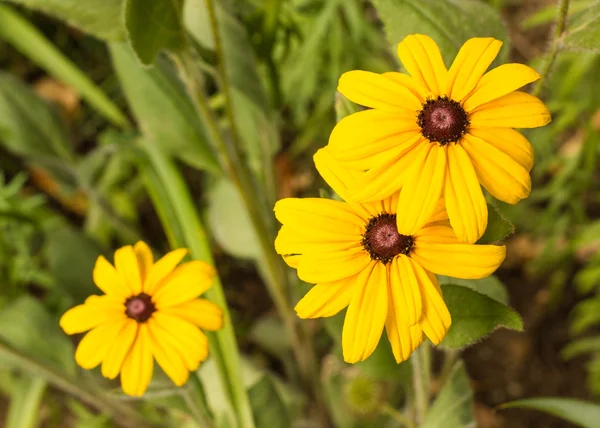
point(449, 22)
point(269, 332)
point(267, 405)
point(32, 127)
point(583, 30)
point(490, 286)
point(17, 31)
point(581, 346)
point(578, 412)
point(344, 107)
point(229, 223)
point(153, 25)
point(101, 18)
point(163, 109)
point(498, 228)
point(25, 401)
point(27, 326)
point(475, 315)
point(453, 407)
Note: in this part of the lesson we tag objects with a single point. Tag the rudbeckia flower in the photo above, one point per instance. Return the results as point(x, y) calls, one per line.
point(355, 255)
point(440, 132)
point(149, 311)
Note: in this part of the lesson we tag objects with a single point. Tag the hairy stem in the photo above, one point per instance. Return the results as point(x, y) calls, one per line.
point(420, 374)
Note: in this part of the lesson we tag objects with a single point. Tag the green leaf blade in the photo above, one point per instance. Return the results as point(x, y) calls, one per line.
point(586, 415)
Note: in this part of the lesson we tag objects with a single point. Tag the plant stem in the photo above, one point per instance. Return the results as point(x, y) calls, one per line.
point(450, 358)
point(420, 372)
point(559, 29)
point(179, 217)
point(195, 398)
point(397, 416)
point(125, 414)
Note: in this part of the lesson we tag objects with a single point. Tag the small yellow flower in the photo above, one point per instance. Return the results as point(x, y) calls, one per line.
point(357, 259)
point(440, 133)
point(149, 311)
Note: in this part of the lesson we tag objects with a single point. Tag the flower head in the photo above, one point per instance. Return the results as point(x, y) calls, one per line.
point(358, 259)
point(149, 311)
point(440, 133)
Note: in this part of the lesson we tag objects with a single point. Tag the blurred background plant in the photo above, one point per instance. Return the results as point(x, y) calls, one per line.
point(181, 122)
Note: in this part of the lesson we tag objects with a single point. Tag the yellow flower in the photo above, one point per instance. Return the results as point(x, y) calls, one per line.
point(440, 133)
point(357, 259)
point(149, 311)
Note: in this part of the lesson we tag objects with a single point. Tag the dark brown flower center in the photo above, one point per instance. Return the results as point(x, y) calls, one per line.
point(382, 240)
point(139, 307)
point(443, 120)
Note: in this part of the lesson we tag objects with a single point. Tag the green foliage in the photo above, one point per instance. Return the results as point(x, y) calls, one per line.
point(584, 30)
point(475, 315)
point(578, 412)
point(498, 229)
point(490, 286)
point(153, 25)
point(267, 404)
point(26, 397)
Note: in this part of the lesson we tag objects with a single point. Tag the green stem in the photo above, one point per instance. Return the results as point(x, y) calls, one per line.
point(559, 29)
point(397, 416)
point(126, 415)
point(179, 217)
point(421, 389)
point(450, 358)
point(195, 399)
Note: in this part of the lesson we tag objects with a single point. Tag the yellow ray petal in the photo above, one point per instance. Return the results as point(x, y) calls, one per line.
point(404, 291)
point(360, 136)
point(498, 82)
point(109, 281)
point(436, 234)
point(439, 213)
point(436, 317)
point(422, 59)
point(95, 311)
point(187, 339)
point(504, 178)
point(144, 258)
point(292, 241)
point(162, 268)
point(366, 314)
point(376, 91)
point(382, 181)
point(404, 339)
point(326, 299)
point(330, 267)
point(465, 261)
point(200, 312)
point(168, 358)
point(410, 82)
point(185, 283)
point(514, 110)
point(509, 141)
point(473, 59)
point(136, 372)
point(421, 191)
point(95, 345)
point(465, 202)
point(119, 348)
point(127, 266)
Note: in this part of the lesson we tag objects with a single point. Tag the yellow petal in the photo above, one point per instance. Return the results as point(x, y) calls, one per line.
point(326, 299)
point(292, 261)
point(136, 372)
point(376, 91)
point(439, 213)
point(127, 266)
point(436, 317)
point(292, 241)
point(404, 291)
point(330, 267)
point(187, 339)
point(465, 202)
point(514, 110)
point(409, 82)
point(421, 191)
point(95, 345)
point(119, 348)
point(185, 283)
point(200, 312)
point(498, 82)
point(168, 358)
point(472, 61)
point(162, 268)
point(509, 141)
point(436, 234)
point(504, 178)
point(465, 261)
point(383, 180)
point(421, 57)
point(144, 258)
point(366, 314)
point(404, 339)
point(109, 281)
point(95, 311)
